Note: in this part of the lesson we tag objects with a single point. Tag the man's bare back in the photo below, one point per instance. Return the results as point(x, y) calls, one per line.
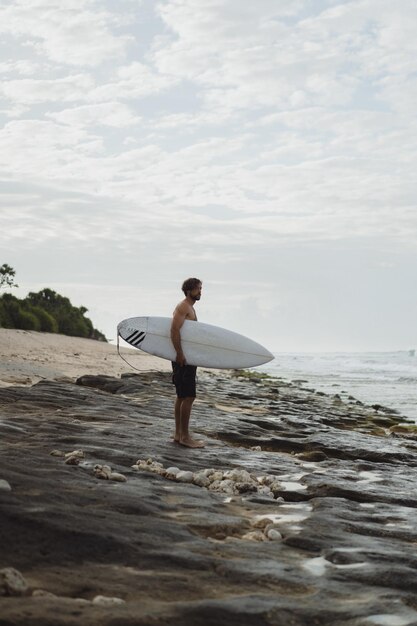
point(185, 309)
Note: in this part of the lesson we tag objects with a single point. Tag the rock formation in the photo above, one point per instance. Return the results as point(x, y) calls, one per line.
point(300, 511)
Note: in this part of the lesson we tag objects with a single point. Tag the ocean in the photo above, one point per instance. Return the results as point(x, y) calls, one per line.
point(385, 378)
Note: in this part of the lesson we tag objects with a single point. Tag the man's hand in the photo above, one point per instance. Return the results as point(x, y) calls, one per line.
point(181, 359)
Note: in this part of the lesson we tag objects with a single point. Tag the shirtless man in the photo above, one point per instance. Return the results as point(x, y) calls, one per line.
point(184, 376)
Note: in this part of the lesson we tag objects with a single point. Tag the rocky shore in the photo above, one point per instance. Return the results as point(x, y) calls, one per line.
point(300, 511)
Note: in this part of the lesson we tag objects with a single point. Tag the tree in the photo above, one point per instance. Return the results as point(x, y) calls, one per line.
point(71, 320)
point(7, 275)
point(45, 311)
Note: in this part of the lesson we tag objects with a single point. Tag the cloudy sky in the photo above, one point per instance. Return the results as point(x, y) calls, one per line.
point(268, 148)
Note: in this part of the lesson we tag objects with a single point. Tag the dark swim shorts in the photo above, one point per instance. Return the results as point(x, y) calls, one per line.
point(184, 379)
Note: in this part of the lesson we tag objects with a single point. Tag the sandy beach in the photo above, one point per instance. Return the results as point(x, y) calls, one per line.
point(300, 510)
point(28, 356)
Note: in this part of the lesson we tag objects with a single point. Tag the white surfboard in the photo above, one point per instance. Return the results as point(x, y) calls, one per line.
point(203, 345)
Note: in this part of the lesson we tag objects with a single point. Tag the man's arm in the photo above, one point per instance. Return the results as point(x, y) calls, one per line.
point(177, 321)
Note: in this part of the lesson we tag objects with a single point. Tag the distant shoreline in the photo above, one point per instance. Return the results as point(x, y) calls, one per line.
point(385, 378)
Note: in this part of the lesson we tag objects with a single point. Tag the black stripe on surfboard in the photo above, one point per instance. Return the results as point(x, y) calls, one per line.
point(138, 340)
point(133, 336)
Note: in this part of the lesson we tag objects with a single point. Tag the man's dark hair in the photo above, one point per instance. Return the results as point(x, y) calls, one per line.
point(190, 284)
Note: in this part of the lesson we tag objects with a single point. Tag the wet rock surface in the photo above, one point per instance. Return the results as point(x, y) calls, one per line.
point(301, 509)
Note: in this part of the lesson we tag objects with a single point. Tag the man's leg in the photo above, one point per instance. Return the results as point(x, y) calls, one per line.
point(184, 379)
point(177, 411)
point(184, 416)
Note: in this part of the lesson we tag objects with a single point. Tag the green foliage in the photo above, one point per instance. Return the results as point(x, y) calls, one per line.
point(14, 315)
point(48, 323)
point(250, 374)
point(27, 321)
point(9, 311)
point(7, 275)
point(71, 320)
point(47, 311)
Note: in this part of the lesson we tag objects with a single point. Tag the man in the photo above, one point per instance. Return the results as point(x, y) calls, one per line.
point(184, 375)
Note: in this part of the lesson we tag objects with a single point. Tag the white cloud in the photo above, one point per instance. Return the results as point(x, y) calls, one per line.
point(211, 137)
point(248, 56)
point(114, 114)
point(25, 67)
point(69, 33)
point(41, 151)
point(135, 80)
point(30, 91)
point(339, 195)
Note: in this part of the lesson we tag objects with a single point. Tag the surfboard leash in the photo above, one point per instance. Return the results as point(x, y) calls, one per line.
point(122, 357)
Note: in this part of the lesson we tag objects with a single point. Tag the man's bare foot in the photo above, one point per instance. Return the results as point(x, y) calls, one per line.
point(191, 443)
point(175, 438)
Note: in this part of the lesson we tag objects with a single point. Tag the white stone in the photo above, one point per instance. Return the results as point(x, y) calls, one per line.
point(273, 535)
point(81, 601)
point(215, 485)
point(226, 483)
point(107, 601)
point(151, 466)
point(4, 485)
point(72, 460)
point(238, 475)
point(216, 476)
point(44, 595)
point(207, 472)
point(172, 472)
point(201, 480)
point(12, 582)
point(100, 474)
point(184, 477)
point(120, 478)
point(102, 471)
point(223, 486)
point(158, 469)
point(76, 453)
point(57, 453)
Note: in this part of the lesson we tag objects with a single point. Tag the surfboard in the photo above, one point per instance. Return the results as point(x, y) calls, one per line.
point(203, 344)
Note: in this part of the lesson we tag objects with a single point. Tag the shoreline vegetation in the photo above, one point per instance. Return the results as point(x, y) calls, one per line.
point(45, 311)
point(300, 501)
